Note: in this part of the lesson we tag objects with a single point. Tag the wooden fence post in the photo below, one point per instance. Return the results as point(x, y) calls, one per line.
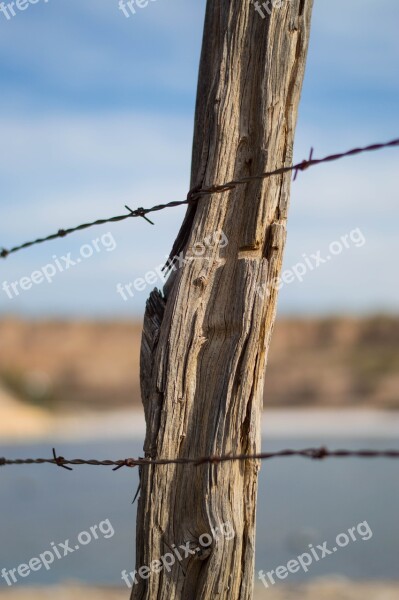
point(206, 337)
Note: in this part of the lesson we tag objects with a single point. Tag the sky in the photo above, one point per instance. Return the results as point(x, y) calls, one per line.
point(96, 111)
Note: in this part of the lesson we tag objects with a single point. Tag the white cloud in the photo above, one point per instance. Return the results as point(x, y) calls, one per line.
point(75, 167)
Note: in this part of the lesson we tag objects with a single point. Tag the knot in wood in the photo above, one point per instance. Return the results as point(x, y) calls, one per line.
point(200, 281)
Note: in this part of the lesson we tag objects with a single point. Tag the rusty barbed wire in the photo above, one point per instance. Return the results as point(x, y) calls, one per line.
point(194, 195)
point(310, 453)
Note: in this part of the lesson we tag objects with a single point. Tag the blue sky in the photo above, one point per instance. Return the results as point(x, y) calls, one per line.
point(96, 112)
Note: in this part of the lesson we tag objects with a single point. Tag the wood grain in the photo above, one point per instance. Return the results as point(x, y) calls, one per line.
point(206, 338)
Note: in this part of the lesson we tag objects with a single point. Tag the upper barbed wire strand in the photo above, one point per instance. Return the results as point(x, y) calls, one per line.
point(194, 195)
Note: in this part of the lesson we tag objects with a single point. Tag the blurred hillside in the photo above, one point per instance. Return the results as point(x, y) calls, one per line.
point(337, 362)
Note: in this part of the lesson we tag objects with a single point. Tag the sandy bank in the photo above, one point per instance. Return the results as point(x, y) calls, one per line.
point(21, 423)
point(323, 590)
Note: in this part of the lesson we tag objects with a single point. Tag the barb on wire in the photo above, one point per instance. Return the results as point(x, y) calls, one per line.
point(60, 460)
point(194, 195)
point(310, 453)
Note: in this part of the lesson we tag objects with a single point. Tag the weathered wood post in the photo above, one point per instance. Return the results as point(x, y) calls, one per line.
point(206, 338)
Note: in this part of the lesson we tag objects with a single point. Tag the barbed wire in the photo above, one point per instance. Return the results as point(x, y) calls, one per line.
point(194, 195)
point(310, 453)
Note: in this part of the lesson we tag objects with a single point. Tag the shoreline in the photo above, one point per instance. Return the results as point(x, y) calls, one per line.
point(336, 588)
point(40, 426)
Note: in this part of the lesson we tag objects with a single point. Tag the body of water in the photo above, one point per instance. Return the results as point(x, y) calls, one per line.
point(300, 503)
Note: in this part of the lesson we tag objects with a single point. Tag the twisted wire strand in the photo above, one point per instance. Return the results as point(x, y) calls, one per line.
point(194, 195)
point(320, 453)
